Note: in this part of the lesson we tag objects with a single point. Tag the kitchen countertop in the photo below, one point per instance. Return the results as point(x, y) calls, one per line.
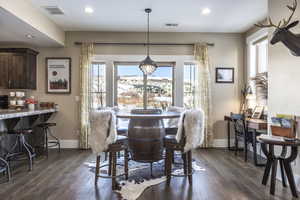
point(10, 113)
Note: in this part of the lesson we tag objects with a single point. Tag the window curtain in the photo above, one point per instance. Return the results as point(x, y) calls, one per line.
point(203, 90)
point(86, 54)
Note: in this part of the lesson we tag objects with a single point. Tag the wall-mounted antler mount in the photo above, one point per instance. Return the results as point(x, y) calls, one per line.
point(282, 32)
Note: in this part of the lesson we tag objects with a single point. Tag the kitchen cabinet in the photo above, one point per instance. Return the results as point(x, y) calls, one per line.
point(18, 68)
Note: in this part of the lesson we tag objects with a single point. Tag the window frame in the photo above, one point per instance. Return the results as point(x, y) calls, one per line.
point(115, 76)
point(90, 83)
point(195, 79)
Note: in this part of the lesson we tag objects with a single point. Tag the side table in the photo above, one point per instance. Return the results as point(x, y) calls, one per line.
point(283, 159)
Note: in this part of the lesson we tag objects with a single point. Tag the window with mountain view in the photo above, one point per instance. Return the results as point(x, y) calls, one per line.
point(130, 86)
point(98, 91)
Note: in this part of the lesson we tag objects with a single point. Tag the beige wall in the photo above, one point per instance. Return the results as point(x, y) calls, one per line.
point(284, 70)
point(227, 52)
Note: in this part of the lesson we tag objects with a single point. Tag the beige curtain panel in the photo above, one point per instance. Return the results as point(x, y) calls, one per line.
point(203, 90)
point(87, 51)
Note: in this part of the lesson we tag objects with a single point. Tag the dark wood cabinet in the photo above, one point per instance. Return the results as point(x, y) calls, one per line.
point(18, 68)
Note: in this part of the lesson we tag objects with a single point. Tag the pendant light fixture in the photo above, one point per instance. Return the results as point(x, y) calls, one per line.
point(148, 66)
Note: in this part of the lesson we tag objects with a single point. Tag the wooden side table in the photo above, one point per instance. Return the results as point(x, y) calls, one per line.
point(283, 159)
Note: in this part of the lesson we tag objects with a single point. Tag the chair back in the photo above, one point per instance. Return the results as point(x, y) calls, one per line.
point(239, 123)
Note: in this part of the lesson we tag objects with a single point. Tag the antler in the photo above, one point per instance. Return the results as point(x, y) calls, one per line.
point(285, 22)
point(271, 24)
point(293, 9)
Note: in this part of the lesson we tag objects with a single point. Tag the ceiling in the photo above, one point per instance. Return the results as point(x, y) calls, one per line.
point(14, 31)
point(128, 15)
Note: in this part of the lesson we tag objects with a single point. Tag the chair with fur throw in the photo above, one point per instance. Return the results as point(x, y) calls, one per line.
point(189, 136)
point(104, 138)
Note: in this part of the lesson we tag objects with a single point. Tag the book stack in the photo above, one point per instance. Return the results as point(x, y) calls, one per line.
point(284, 125)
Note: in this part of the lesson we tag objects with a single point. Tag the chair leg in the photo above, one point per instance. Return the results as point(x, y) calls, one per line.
point(190, 167)
point(97, 169)
point(168, 165)
point(184, 158)
point(172, 156)
point(126, 164)
point(236, 144)
point(28, 149)
point(110, 163)
point(114, 170)
point(46, 142)
point(105, 156)
point(245, 149)
point(282, 173)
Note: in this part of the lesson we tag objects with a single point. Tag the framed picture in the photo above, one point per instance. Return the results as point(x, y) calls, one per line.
point(258, 110)
point(224, 75)
point(58, 75)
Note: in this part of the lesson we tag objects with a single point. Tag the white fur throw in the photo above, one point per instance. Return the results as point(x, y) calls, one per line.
point(103, 130)
point(173, 122)
point(191, 124)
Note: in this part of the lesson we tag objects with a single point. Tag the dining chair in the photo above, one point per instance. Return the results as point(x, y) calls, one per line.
point(120, 145)
point(171, 145)
point(111, 147)
point(241, 133)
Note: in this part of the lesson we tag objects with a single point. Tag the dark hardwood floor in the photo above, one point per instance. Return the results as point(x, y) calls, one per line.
point(65, 177)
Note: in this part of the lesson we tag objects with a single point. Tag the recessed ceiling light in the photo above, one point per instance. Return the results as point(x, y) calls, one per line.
point(29, 36)
point(206, 11)
point(88, 9)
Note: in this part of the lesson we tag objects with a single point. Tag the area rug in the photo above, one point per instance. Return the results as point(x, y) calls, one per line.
point(140, 175)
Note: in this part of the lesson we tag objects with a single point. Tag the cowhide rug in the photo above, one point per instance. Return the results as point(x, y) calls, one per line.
point(140, 175)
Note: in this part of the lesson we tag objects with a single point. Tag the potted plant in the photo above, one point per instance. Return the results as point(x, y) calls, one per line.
point(31, 103)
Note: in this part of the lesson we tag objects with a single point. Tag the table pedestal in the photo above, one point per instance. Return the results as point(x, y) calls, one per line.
point(145, 137)
point(285, 166)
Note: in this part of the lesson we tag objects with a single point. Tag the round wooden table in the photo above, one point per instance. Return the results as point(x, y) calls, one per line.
point(145, 134)
point(283, 159)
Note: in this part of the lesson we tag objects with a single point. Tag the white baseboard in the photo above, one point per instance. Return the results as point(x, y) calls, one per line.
point(221, 143)
point(68, 144)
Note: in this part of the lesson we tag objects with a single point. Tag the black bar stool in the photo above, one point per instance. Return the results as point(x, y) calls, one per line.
point(21, 148)
point(47, 132)
point(4, 168)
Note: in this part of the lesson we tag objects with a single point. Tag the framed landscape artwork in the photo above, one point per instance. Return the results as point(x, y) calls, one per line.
point(224, 75)
point(58, 75)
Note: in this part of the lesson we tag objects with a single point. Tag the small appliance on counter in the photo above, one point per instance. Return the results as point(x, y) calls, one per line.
point(3, 101)
point(17, 100)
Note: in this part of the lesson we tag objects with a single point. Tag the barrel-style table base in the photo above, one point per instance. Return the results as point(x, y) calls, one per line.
point(145, 138)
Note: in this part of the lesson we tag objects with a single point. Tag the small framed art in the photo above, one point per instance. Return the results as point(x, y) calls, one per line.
point(58, 75)
point(224, 75)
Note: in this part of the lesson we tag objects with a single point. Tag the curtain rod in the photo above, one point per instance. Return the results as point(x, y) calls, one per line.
point(144, 44)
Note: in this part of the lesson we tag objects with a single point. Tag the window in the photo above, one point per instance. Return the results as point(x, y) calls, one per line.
point(258, 57)
point(129, 80)
point(98, 92)
point(189, 85)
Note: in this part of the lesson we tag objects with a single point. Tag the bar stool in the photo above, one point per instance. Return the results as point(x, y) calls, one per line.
point(22, 147)
point(47, 132)
point(120, 145)
point(4, 168)
point(171, 145)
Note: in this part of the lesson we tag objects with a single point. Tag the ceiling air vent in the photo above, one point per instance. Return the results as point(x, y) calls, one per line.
point(54, 10)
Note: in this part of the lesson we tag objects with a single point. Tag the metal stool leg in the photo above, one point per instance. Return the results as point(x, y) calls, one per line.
point(97, 169)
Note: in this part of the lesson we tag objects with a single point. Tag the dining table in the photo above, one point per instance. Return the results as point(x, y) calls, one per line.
point(145, 133)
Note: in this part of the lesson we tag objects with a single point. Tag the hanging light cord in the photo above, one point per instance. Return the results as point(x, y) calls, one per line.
point(148, 39)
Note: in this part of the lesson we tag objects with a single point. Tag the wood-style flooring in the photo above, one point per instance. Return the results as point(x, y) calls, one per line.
point(65, 177)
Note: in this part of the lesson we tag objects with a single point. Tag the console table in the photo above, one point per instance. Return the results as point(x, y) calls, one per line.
point(255, 125)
